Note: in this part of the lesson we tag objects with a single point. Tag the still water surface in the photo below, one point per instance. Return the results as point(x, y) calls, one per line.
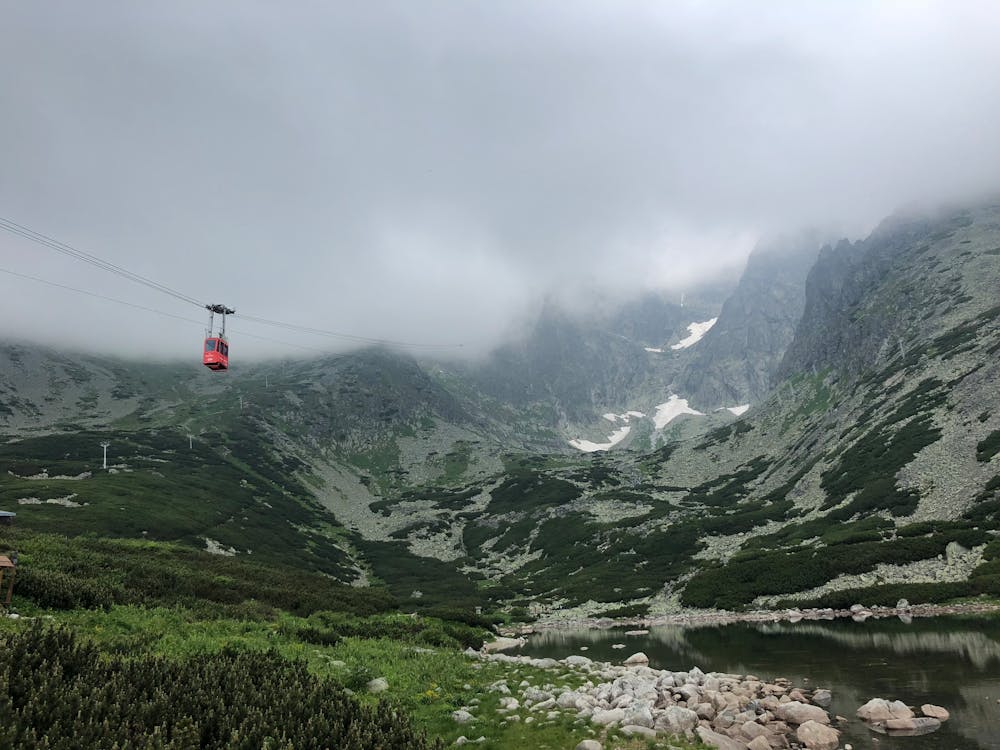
point(950, 661)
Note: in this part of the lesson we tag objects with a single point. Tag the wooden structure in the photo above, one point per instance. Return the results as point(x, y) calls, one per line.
point(7, 518)
point(7, 571)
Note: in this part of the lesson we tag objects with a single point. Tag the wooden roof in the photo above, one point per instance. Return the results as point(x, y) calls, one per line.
point(5, 562)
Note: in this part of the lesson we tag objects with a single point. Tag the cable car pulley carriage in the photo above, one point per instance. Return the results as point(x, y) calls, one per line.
point(216, 352)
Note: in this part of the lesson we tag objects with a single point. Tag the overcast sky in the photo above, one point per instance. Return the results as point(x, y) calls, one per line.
point(425, 170)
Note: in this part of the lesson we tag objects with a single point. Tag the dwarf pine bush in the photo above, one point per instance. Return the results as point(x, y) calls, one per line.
point(60, 693)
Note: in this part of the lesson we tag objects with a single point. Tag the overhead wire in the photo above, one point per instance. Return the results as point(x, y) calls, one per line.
point(65, 249)
point(346, 336)
point(150, 309)
point(73, 252)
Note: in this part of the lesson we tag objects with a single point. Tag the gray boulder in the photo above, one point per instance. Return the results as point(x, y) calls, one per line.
point(535, 695)
point(915, 725)
point(822, 698)
point(676, 720)
point(720, 741)
point(638, 714)
point(817, 736)
point(635, 730)
point(589, 745)
point(567, 700)
point(935, 712)
point(637, 659)
point(503, 644)
point(378, 685)
point(795, 712)
point(612, 716)
point(879, 710)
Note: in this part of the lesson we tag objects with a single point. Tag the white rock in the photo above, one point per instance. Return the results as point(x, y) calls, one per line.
point(503, 644)
point(935, 712)
point(799, 713)
point(500, 686)
point(611, 716)
point(590, 745)
point(535, 695)
point(633, 730)
point(461, 717)
point(879, 709)
point(817, 736)
point(720, 741)
point(676, 720)
point(568, 700)
point(378, 685)
point(639, 715)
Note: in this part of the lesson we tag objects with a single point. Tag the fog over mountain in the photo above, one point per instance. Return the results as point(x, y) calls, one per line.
point(429, 171)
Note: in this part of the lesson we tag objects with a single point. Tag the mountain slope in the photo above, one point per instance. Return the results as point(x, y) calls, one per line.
point(873, 462)
point(736, 361)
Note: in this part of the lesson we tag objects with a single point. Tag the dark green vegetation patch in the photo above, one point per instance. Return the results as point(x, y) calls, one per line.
point(870, 465)
point(223, 487)
point(755, 572)
point(989, 447)
point(58, 572)
point(57, 692)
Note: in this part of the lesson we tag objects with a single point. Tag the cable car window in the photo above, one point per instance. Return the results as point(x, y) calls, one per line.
point(224, 348)
point(210, 345)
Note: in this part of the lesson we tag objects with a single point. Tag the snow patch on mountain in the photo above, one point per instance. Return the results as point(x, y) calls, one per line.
point(737, 410)
point(616, 437)
point(673, 408)
point(695, 332)
point(588, 446)
point(653, 349)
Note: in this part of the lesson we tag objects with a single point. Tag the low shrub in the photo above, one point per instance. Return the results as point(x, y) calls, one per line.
point(58, 692)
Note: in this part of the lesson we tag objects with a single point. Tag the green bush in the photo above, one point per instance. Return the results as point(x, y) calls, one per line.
point(58, 692)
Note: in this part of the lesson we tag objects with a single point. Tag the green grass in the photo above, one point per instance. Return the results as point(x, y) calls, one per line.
point(341, 646)
point(62, 572)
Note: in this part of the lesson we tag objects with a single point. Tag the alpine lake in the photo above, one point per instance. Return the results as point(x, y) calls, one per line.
point(950, 661)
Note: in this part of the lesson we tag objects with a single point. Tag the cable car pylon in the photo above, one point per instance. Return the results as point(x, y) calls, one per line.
point(216, 351)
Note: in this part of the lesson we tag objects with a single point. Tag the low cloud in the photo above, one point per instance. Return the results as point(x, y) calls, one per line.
point(427, 171)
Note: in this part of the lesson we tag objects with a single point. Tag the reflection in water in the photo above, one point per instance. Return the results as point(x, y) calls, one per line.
point(953, 662)
point(978, 648)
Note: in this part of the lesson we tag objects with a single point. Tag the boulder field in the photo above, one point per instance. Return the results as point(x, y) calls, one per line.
point(727, 711)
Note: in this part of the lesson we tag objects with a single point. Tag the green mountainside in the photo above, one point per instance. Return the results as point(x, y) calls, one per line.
point(269, 541)
point(868, 464)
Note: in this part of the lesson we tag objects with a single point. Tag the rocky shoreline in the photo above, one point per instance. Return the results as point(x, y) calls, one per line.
point(725, 711)
point(858, 612)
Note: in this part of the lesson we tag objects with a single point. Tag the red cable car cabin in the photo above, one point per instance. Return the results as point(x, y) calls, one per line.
point(216, 356)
